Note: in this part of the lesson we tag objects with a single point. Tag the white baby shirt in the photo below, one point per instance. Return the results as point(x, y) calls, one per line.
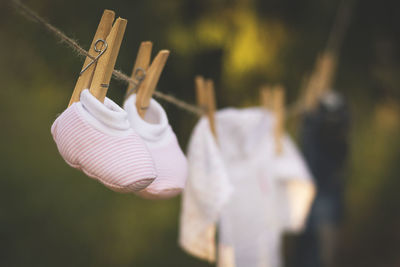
point(207, 190)
point(271, 194)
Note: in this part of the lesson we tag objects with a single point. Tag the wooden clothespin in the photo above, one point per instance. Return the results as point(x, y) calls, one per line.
point(140, 68)
point(145, 76)
point(206, 100)
point(320, 80)
point(96, 73)
point(201, 92)
point(327, 68)
point(279, 110)
point(266, 97)
point(211, 105)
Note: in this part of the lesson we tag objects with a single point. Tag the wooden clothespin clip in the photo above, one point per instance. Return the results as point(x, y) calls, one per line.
point(266, 97)
point(279, 110)
point(140, 68)
point(145, 76)
point(96, 73)
point(206, 100)
point(320, 80)
point(201, 93)
point(327, 68)
point(211, 105)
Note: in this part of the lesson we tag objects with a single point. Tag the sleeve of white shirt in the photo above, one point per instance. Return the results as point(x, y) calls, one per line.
point(296, 187)
point(207, 190)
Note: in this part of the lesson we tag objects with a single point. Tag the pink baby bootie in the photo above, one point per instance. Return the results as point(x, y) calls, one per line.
point(98, 139)
point(170, 162)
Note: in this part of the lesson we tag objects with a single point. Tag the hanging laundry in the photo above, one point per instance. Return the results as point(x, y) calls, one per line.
point(97, 139)
point(260, 195)
point(170, 162)
point(93, 134)
point(207, 191)
point(324, 135)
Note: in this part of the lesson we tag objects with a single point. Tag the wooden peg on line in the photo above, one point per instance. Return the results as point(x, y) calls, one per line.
point(320, 80)
point(327, 69)
point(201, 93)
point(140, 68)
point(211, 105)
point(205, 95)
point(106, 63)
point(85, 79)
point(146, 86)
point(98, 67)
point(279, 111)
point(266, 97)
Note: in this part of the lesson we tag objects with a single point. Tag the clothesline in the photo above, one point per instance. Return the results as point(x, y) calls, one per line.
point(117, 74)
point(296, 109)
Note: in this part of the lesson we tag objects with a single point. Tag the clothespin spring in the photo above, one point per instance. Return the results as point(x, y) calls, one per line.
point(100, 51)
point(140, 74)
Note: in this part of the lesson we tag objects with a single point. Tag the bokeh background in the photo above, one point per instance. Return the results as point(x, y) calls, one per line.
point(53, 215)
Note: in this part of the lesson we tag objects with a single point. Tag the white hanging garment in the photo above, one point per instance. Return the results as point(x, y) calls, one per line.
point(271, 194)
point(207, 190)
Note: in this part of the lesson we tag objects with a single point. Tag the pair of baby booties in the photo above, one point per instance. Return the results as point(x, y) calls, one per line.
point(120, 149)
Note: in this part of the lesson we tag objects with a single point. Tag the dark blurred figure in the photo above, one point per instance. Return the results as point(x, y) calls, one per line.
point(324, 136)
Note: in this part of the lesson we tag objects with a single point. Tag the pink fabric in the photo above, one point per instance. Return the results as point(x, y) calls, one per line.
point(171, 168)
point(170, 162)
point(118, 159)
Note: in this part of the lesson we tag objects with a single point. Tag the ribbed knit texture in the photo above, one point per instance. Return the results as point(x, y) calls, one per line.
point(103, 148)
point(170, 162)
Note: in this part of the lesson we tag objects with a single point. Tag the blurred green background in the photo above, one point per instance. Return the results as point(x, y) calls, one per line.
point(52, 215)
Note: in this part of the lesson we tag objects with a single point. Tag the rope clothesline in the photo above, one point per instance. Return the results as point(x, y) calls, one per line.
point(117, 74)
point(28, 13)
point(297, 108)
